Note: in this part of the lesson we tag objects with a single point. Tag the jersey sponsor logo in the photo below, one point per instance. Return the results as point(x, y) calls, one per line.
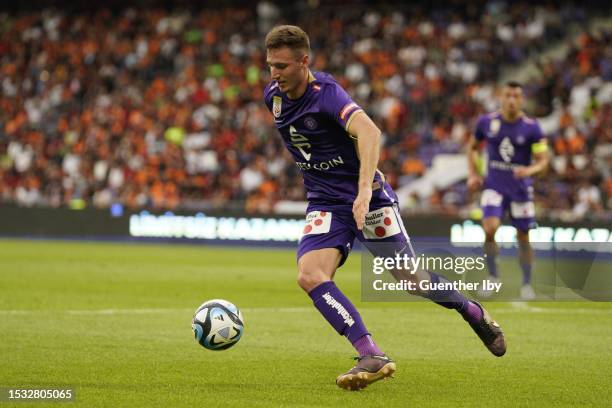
point(381, 223)
point(300, 142)
point(522, 210)
point(321, 166)
point(491, 198)
point(500, 165)
point(317, 222)
point(277, 106)
point(506, 149)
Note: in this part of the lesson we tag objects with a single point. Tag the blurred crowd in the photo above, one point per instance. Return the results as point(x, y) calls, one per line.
point(162, 109)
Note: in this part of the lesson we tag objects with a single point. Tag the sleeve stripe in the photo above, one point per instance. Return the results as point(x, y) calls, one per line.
point(350, 118)
point(347, 108)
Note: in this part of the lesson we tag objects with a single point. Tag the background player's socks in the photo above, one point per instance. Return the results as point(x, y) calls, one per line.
point(338, 311)
point(365, 346)
point(453, 299)
point(491, 257)
point(526, 267)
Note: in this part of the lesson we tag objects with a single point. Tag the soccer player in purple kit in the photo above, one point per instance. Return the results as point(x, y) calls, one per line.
point(511, 139)
point(336, 146)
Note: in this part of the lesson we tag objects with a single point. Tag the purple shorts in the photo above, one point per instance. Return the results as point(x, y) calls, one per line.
point(333, 226)
point(496, 204)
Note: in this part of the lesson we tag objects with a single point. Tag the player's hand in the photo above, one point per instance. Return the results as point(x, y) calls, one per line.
point(521, 172)
point(361, 206)
point(474, 182)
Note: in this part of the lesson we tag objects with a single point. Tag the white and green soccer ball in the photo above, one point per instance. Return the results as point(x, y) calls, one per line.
point(217, 324)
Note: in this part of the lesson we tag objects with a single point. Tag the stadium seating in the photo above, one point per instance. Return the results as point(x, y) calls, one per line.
point(163, 109)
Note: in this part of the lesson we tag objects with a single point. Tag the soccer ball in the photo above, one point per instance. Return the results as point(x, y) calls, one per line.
point(217, 324)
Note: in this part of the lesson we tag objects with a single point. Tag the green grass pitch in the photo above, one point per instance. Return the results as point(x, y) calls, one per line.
point(114, 321)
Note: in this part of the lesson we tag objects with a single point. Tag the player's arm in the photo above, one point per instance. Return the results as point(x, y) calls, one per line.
point(474, 180)
point(540, 162)
point(362, 128)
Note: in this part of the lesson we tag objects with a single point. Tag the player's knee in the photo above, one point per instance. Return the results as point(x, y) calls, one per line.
point(310, 278)
point(490, 231)
point(522, 237)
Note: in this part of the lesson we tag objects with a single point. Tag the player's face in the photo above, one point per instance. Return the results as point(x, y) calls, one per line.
point(512, 100)
point(288, 68)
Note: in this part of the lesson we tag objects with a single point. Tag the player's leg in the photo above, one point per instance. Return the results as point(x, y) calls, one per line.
point(493, 205)
point(490, 248)
point(321, 251)
point(386, 236)
point(316, 269)
point(522, 215)
point(526, 261)
point(490, 225)
point(315, 273)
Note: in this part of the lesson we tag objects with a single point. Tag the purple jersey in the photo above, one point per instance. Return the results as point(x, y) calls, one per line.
point(509, 145)
point(314, 129)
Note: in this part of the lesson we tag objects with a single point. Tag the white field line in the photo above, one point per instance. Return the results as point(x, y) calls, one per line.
point(516, 307)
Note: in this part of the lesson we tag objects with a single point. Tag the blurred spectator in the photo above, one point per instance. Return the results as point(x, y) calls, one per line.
point(162, 109)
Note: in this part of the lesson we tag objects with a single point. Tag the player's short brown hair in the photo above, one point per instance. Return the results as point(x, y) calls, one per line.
point(514, 84)
point(289, 36)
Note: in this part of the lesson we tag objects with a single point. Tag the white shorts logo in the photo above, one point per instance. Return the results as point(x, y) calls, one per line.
point(381, 223)
point(522, 210)
point(491, 198)
point(317, 222)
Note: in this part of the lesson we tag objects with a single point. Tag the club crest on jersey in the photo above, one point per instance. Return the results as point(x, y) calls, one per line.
point(276, 106)
point(310, 123)
point(520, 139)
point(494, 127)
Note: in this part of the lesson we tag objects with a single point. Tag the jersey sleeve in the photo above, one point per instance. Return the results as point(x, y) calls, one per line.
point(339, 105)
point(480, 130)
point(267, 95)
point(538, 140)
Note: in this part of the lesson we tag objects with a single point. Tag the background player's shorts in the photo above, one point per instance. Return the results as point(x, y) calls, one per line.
point(333, 226)
point(496, 204)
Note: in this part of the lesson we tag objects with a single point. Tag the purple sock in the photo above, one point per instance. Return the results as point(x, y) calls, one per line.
point(473, 313)
point(449, 298)
point(338, 311)
point(453, 299)
point(526, 267)
point(491, 263)
point(365, 346)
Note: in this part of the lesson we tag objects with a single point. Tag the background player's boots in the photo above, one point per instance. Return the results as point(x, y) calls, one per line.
point(369, 369)
point(527, 292)
point(490, 333)
point(487, 293)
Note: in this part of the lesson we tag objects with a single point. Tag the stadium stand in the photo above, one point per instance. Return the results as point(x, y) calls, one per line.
point(162, 109)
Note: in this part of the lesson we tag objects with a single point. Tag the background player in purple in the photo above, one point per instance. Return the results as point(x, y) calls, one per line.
point(511, 138)
point(336, 146)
